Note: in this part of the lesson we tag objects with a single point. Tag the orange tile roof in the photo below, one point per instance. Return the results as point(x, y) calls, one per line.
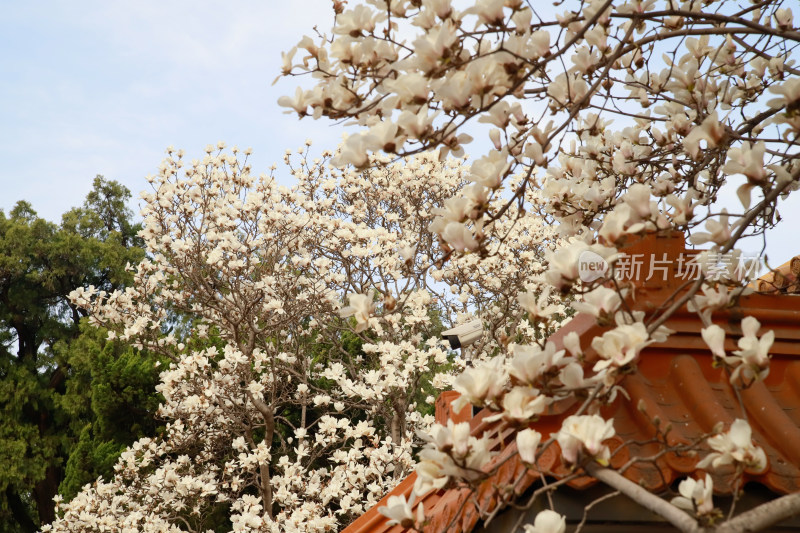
point(675, 381)
point(783, 279)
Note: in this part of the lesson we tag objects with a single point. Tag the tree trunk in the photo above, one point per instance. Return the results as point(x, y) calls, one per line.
point(44, 492)
point(398, 424)
point(19, 511)
point(45, 489)
point(269, 422)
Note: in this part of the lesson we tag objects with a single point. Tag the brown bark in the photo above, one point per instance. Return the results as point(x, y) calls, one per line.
point(44, 492)
point(266, 483)
point(398, 424)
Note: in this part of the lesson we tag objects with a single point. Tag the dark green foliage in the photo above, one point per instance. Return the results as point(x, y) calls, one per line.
point(111, 400)
point(69, 401)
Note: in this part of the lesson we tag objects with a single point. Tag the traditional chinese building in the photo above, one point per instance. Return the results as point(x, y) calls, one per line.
point(675, 382)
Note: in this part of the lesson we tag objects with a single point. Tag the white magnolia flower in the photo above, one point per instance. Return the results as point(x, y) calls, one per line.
point(407, 253)
point(566, 89)
point(416, 124)
point(638, 198)
point(530, 361)
point(711, 300)
point(455, 210)
point(480, 385)
point(754, 352)
point(354, 152)
point(683, 207)
point(621, 345)
point(600, 301)
point(572, 343)
point(490, 169)
point(521, 405)
point(714, 336)
point(540, 43)
point(620, 222)
point(695, 495)
point(583, 435)
point(547, 521)
point(489, 11)
point(383, 136)
point(719, 232)
point(527, 442)
point(432, 46)
point(538, 308)
point(522, 21)
point(711, 131)
point(299, 103)
point(431, 473)
point(750, 162)
point(735, 447)
point(789, 91)
point(452, 437)
point(398, 510)
point(564, 264)
point(353, 21)
point(412, 87)
point(784, 18)
point(361, 307)
point(463, 460)
point(459, 237)
point(572, 377)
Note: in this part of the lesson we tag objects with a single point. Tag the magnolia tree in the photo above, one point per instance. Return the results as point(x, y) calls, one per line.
point(612, 119)
point(302, 324)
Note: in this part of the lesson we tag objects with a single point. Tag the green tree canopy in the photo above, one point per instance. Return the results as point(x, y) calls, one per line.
point(69, 399)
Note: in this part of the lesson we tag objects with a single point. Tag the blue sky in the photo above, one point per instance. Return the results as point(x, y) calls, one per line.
point(103, 87)
point(97, 87)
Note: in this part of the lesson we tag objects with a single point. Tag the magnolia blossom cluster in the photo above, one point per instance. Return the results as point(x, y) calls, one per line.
point(307, 343)
point(395, 271)
point(313, 309)
point(751, 361)
point(679, 81)
point(733, 448)
point(606, 119)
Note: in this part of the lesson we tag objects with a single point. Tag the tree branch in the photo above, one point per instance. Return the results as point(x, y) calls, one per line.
point(764, 515)
point(649, 501)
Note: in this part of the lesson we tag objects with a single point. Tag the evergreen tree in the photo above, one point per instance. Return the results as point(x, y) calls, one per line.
point(68, 400)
